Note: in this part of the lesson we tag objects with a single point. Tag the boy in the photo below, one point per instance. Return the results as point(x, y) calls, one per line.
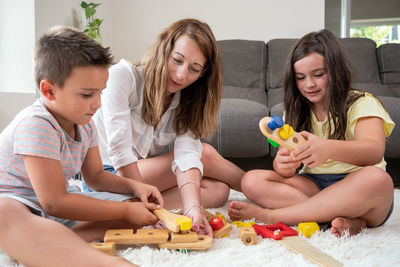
point(51, 141)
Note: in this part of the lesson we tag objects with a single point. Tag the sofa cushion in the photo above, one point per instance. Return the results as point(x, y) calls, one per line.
point(238, 133)
point(374, 88)
point(362, 55)
point(389, 63)
point(243, 63)
point(278, 51)
point(252, 94)
point(392, 105)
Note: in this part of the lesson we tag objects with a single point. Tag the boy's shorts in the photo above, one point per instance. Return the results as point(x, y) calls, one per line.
point(325, 180)
point(34, 206)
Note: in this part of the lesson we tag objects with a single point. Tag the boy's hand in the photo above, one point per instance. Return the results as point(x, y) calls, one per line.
point(141, 214)
point(147, 193)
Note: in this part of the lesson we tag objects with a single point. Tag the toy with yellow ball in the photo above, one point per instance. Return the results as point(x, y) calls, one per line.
point(308, 228)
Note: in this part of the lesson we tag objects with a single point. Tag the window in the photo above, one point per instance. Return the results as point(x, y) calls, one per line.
point(381, 31)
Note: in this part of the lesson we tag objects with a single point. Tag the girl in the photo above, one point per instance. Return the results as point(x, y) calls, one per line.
point(171, 98)
point(343, 179)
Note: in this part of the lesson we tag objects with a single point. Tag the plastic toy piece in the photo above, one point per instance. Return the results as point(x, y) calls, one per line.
point(308, 228)
point(286, 131)
point(291, 143)
point(174, 222)
point(243, 224)
point(275, 122)
point(274, 231)
point(106, 247)
point(216, 223)
point(248, 235)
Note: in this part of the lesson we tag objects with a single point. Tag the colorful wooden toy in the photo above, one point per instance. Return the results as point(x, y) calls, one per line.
point(287, 237)
point(174, 222)
point(278, 132)
point(248, 235)
point(177, 236)
point(308, 228)
point(216, 223)
point(163, 238)
point(224, 230)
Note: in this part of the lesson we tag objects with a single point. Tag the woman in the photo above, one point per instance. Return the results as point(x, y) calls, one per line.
point(172, 97)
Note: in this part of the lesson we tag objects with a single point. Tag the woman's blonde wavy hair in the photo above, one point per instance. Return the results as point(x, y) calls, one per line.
point(199, 102)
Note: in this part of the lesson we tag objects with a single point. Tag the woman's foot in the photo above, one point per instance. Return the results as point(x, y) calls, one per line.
point(241, 211)
point(342, 225)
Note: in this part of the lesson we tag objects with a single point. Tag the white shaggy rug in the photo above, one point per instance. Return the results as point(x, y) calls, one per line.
point(372, 247)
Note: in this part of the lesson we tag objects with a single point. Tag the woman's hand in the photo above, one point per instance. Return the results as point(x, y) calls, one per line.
point(199, 221)
point(285, 164)
point(147, 193)
point(313, 152)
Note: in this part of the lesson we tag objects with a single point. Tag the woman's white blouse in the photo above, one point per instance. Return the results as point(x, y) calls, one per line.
point(125, 138)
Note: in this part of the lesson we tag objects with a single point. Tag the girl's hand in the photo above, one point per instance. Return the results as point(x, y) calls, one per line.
point(285, 163)
point(199, 221)
point(313, 152)
point(147, 193)
point(140, 213)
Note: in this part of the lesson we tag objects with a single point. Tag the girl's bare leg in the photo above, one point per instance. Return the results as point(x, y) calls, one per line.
point(364, 195)
point(268, 189)
point(36, 241)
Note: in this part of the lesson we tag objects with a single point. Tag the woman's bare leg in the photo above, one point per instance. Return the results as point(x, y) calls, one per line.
point(218, 168)
point(217, 173)
point(213, 194)
point(365, 194)
point(36, 241)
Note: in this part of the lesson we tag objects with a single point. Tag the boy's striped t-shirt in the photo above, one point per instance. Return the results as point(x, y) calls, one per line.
point(35, 132)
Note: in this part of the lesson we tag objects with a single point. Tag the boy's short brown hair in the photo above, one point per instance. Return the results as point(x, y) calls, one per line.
point(61, 49)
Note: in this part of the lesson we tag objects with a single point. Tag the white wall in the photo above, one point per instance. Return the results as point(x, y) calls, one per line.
point(130, 26)
point(136, 23)
point(17, 24)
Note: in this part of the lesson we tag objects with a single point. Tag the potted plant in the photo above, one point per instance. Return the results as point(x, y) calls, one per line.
point(92, 23)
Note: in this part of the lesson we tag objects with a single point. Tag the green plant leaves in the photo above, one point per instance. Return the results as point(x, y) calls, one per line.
point(92, 23)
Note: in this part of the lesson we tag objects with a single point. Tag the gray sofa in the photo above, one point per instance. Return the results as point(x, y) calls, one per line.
point(253, 88)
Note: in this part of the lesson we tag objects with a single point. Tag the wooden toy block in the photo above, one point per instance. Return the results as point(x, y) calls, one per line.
point(203, 242)
point(189, 237)
point(248, 235)
point(287, 237)
point(163, 238)
point(174, 222)
point(221, 232)
point(281, 134)
point(142, 236)
point(106, 247)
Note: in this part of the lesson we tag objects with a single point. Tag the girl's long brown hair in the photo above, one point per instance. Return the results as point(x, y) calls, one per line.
point(199, 102)
point(340, 95)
